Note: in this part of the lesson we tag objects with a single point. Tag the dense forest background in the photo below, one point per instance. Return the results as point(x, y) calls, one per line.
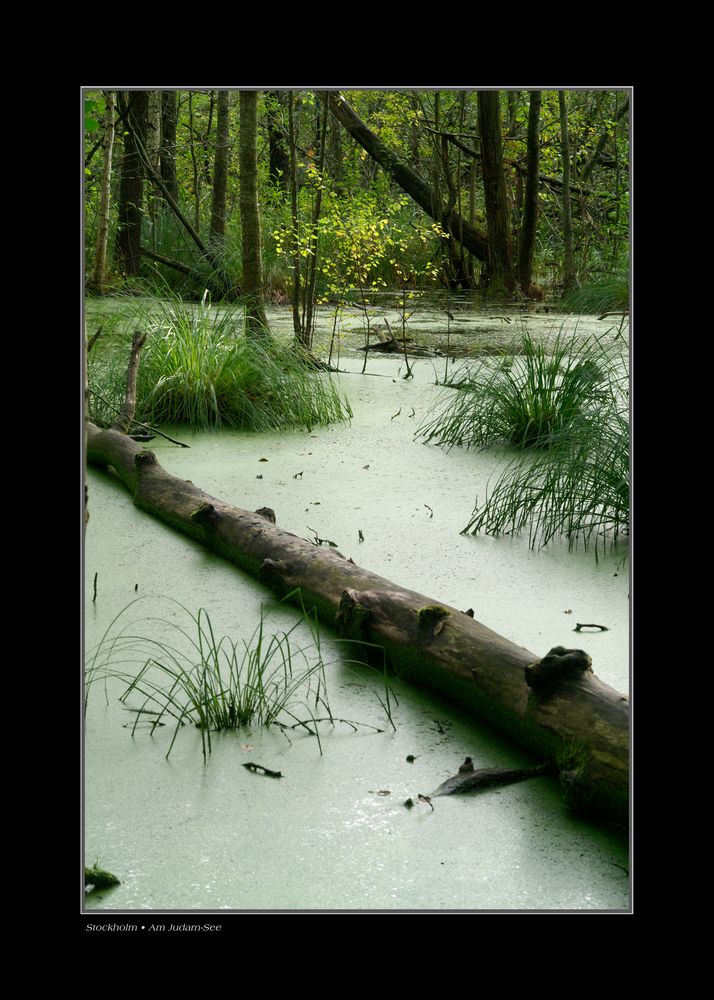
point(513, 193)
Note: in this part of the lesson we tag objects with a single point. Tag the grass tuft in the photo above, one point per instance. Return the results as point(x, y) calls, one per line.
point(566, 411)
point(578, 489)
point(526, 400)
point(199, 369)
point(609, 294)
point(215, 684)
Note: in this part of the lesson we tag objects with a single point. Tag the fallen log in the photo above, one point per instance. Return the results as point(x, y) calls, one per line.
point(553, 706)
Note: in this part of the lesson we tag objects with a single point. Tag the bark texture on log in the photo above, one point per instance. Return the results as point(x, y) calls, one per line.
point(557, 709)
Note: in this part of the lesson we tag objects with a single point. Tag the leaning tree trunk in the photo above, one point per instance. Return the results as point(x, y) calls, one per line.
point(252, 285)
point(554, 706)
point(529, 224)
point(409, 180)
point(99, 275)
point(569, 278)
point(500, 263)
point(220, 166)
point(131, 188)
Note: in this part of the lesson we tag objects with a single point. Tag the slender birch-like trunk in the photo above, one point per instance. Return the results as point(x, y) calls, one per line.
point(569, 277)
point(252, 284)
point(99, 275)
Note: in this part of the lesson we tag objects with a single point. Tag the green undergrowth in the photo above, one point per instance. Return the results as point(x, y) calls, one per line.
point(194, 678)
point(198, 368)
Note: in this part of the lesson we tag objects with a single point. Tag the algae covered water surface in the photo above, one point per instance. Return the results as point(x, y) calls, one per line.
point(333, 833)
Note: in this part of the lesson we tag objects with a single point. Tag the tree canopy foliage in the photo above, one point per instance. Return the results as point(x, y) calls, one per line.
point(331, 218)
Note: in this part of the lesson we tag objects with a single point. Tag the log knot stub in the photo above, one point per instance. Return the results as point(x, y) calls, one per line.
point(430, 619)
point(267, 512)
point(145, 460)
point(544, 676)
point(206, 515)
point(273, 572)
point(352, 617)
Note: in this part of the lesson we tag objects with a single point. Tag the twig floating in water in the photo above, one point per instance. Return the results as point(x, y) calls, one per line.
point(94, 596)
point(332, 719)
point(320, 541)
point(580, 625)
point(263, 770)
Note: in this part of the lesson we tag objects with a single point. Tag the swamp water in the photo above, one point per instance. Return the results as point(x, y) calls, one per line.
point(184, 834)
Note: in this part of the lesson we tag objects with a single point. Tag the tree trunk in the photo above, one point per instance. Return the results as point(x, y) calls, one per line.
point(169, 119)
point(221, 277)
point(220, 166)
point(99, 275)
point(131, 188)
point(295, 217)
point(500, 263)
point(569, 278)
point(256, 321)
point(471, 237)
point(153, 151)
point(554, 706)
point(205, 140)
point(587, 170)
point(311, 276)
point(514, 99)
point(194, 167)
point(335, 166)
point(530, 207)
point(278, 154)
